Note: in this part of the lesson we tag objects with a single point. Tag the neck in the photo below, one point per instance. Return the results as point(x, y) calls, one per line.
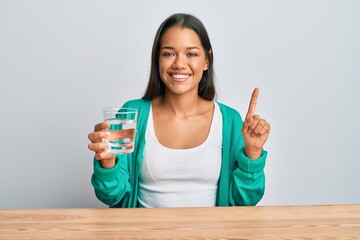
point(181, 105)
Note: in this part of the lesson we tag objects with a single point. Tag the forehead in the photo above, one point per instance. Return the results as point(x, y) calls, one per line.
point(180, 36)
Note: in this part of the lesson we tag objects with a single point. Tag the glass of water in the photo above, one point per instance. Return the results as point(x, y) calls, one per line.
point(122, 129)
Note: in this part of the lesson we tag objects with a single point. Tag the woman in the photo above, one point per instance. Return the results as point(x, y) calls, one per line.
point(189, 149)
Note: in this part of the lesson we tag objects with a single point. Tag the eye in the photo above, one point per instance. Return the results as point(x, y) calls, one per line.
point(192, 54)
point(167, 54)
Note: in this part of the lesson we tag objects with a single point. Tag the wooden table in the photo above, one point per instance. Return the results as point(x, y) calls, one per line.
point(278, 222)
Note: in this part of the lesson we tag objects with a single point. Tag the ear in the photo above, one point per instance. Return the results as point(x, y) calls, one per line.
point(206, 65)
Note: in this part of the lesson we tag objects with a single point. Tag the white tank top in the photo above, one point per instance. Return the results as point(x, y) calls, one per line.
point(181, 177)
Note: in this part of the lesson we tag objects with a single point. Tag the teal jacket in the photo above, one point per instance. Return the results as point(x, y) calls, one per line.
point(241, 183)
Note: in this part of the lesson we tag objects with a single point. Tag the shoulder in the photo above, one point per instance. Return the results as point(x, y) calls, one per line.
point(137, 103)
point(229, 112)
point(232, 124)
point(143, 107)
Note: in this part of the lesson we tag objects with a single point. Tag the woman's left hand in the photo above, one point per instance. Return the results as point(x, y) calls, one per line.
point(255, 129)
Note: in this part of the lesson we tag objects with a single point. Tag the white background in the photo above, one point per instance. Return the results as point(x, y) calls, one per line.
point(61, 62)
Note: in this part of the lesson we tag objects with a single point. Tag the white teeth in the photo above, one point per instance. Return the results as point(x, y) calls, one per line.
point(180, 76)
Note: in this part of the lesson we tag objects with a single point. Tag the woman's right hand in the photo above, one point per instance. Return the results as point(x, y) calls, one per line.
point(100, 147)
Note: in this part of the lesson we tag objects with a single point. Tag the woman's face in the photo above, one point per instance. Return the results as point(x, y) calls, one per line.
point(182, 60)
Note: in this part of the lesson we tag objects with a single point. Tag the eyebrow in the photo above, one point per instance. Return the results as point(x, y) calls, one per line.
point(172, 48)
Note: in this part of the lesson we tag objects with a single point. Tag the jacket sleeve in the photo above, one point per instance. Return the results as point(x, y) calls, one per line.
point(117, 187)
point(247, 178)
point(248, 183)
point(112, 184)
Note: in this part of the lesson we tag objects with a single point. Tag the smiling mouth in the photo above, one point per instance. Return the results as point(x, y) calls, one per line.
point(180, 77)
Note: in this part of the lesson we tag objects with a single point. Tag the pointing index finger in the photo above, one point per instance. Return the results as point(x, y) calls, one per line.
point(253, 102)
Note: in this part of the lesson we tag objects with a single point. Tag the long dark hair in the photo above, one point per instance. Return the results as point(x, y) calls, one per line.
point(155, 85)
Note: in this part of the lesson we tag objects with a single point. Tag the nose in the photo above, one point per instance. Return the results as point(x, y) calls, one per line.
point(180, 62)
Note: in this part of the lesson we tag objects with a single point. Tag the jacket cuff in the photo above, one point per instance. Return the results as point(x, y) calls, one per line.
point(252, 165)
point(107, 174)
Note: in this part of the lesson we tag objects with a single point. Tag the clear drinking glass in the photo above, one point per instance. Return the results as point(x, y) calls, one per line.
point(122, 129)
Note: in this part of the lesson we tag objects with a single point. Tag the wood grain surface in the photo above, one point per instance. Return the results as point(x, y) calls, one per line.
point(270, 222)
